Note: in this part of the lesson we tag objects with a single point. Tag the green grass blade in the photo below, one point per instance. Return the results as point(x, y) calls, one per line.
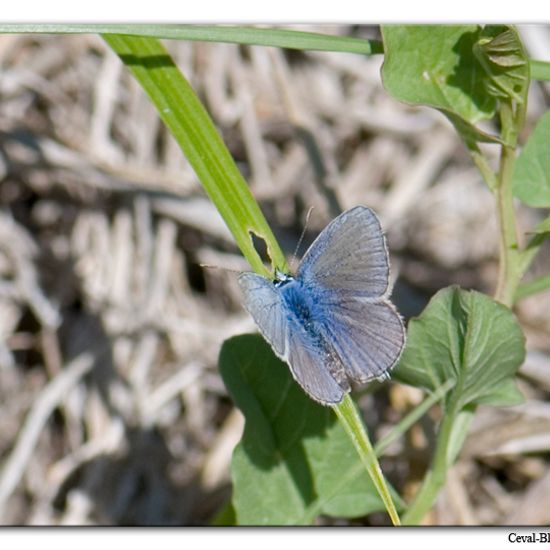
point(184, 115)
point(351, 421)
point(280, 38)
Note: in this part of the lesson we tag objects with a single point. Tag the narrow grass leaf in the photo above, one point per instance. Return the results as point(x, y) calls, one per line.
point(280, 38)
point(193, 129)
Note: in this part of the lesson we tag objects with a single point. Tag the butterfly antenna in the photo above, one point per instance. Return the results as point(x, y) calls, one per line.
point(209, 266)
point(308, 215)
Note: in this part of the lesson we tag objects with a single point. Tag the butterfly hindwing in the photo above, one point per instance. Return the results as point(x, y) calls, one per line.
point(311, 366)
point(333, 321)
point(315, 370)
point(368, 337)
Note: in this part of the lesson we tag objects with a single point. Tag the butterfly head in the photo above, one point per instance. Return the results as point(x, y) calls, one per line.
point(281, 278)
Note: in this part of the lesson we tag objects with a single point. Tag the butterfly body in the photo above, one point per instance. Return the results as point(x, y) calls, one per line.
point(300, 306)
point(311, 322)
point(332, 322)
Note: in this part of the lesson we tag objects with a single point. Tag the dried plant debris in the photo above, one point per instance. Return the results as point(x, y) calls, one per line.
point(113, 411)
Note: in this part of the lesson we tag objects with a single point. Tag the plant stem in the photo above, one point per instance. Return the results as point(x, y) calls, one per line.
point(412, 417)
point(532, 287)
point(435, 478)
point(484, 168)
point(509, 269)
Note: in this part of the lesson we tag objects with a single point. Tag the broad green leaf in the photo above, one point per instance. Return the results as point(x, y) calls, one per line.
point(295, 461)
point(225, 517)
point(531, 182)
point(505, 394)
point(470, 133)
point(502, 56)
point(468, 337)
point(435, 65)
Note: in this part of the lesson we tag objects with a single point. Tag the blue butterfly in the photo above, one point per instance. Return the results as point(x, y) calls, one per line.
point(333, 322)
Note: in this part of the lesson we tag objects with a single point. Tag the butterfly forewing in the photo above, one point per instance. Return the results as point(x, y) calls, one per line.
point(264, 302)
point(350, 254)
point(333, 322)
